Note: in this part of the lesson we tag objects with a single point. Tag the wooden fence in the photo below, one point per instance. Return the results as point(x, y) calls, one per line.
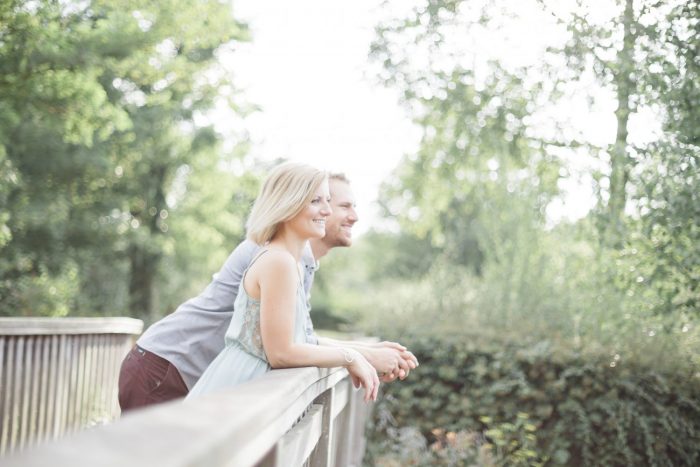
point(58, 375)
point(301, 416)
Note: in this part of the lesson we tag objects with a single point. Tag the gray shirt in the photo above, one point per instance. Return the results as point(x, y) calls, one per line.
point(192, 336)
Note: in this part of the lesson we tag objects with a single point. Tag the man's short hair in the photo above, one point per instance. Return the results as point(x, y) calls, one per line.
point(340, 176)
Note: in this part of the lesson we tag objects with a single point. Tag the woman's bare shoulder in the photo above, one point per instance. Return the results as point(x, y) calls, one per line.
point(278, 261)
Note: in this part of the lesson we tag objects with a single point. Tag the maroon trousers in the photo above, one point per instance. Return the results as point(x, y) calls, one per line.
point(146, 379)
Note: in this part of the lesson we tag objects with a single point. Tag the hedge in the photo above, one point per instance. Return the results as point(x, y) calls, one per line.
point(578, 411)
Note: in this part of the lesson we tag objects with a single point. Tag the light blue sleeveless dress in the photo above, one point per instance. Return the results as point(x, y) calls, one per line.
point(243, 357)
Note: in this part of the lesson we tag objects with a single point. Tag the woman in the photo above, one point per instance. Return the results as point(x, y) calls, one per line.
point(268, 326)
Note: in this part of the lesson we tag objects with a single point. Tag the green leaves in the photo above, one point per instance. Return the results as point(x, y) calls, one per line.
point(98, 136)
point(536, 407)
point(589, 328)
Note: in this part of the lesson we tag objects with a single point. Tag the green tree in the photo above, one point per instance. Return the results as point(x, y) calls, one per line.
point(643, 54)
point(53, 113)
point(475, 115)
point(609, 51)
point(664, 249)
point(101, 105)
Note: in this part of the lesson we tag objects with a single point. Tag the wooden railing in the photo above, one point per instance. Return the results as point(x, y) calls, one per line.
point(301, 416)
point(58, 375)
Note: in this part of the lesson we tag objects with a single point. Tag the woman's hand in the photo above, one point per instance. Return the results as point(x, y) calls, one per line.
point(362, 373)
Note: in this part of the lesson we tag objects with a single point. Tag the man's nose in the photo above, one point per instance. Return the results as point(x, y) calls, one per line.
point(352, 216)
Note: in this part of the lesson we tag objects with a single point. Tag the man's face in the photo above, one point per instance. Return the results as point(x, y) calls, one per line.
point(339, 223)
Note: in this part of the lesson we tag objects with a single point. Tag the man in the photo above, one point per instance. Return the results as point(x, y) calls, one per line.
point(172, 354)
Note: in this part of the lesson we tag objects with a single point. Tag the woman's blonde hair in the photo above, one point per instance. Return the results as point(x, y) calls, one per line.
point(285, 192)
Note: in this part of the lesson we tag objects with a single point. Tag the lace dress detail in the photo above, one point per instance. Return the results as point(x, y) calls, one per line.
point(248, 335)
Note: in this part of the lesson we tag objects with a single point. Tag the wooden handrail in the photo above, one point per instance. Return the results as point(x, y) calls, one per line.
point(284, 418)
point(61, 326)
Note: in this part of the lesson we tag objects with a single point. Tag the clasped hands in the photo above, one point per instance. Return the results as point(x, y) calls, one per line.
point(376, 363)
point(391, 360)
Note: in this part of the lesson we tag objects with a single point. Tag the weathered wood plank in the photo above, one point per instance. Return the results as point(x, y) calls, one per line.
point(51, 326)
point(16, 394)
point(58, 375)
point(44, 392)
point(296, 445)
point(52, 389)
point(5, 386)
point(233, 427)
point(61, 382)
point(25, 391)
point(82, 378)
point(35, 384)
point(321, 457)
point(340, 399)
point(362, 413)
point(345, 442)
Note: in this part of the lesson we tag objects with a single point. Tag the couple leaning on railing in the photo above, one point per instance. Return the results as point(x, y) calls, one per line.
point(254, 315)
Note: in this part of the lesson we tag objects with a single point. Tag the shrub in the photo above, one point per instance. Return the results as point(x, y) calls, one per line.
point(533, 404)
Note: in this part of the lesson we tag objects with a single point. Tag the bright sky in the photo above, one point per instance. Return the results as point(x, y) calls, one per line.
point(305, 68)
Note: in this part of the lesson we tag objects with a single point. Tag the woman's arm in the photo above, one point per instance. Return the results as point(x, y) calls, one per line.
point(276, 276)
point(391, 359)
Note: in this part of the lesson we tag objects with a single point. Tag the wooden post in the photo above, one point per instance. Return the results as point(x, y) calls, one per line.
point(346, 441)
point(321, 457)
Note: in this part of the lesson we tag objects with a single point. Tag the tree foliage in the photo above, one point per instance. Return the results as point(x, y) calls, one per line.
point(476, 128)
point(101, 106)
point(484, 137)
point(474, 253)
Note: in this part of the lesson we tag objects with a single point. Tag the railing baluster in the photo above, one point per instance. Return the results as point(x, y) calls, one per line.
point(44, 389)
point(80, 409)
point(16, 393)
point(5, 390)
point(35, 384)
point(52, 389)
point(71, 382)
point(25, 391)
point(61, 383)
point(119, 348)
point(98, 353)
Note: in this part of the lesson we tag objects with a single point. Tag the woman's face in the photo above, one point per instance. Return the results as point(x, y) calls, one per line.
point(311, 221)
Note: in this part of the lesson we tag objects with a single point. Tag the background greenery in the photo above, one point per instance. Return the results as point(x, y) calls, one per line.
point(541, 342)
point(565, 343)
point(114, 198)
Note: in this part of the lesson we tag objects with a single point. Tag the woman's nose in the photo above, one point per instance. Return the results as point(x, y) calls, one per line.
point(326, 209)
